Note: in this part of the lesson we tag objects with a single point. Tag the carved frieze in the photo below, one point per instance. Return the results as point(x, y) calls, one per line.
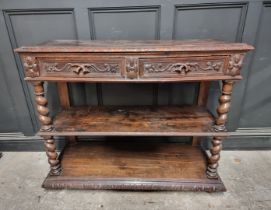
point(82, 68)
point(235, 64)
point(30, 66)
point(183, 67)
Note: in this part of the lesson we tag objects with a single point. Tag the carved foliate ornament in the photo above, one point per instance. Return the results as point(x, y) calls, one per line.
point(30, 66)
point(182, 68)
point(235, 64)
point(83, 68)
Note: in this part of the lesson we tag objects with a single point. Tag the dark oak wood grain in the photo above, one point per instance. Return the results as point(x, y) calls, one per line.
point(203, 93)
point(64, 99)
point(222, 111)
point(141, 80)
point(130, 165)
point(133, 165)
point(46, 125)
point(134, 120)
point(202, 100)
point(63, 94)
point(139, 61)
point(135, 46)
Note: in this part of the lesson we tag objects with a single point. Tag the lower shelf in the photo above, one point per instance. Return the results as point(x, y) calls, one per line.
point(133, 166)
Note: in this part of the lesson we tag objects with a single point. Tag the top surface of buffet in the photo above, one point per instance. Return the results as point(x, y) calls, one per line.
point(135, 46)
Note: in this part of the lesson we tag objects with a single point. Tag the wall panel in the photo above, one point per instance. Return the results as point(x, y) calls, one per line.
point(33, 26)
point(125, 23)
point(222, 21)
point(256, 111)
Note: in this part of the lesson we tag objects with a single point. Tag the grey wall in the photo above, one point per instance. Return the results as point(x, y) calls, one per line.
point(27, 22)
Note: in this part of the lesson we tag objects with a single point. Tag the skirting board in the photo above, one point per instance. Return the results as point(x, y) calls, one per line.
point(35, 143)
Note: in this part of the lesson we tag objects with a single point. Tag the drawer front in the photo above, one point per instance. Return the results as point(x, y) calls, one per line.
point(131, 67)
point(96, 67)
point(181, 66)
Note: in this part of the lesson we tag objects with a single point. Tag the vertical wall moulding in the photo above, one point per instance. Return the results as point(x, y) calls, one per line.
point(9, 14)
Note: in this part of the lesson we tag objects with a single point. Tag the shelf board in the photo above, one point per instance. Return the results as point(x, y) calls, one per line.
point(134, 121)
point(133, 165)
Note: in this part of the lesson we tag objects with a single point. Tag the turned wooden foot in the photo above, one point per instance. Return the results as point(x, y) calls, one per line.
point(52, 155)
point(214, 158)
point(46, 125)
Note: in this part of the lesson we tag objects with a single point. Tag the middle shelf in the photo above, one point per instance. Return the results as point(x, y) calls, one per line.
point(134, 121)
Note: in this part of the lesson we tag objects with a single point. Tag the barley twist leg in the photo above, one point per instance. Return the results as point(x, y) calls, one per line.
point(222, 111)
point(46, 125)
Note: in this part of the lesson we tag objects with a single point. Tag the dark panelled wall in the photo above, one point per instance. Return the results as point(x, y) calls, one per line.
point(27, 22)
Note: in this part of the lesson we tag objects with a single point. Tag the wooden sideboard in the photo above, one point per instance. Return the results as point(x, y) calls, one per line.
point(130, 164)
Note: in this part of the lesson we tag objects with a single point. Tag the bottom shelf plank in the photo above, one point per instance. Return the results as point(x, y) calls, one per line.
point(133, 165)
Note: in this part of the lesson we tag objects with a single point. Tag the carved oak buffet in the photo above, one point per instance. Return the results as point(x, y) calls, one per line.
point(131, 164)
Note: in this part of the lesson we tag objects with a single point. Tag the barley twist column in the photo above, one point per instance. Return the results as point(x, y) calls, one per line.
point(222, 111)
point(46, 125)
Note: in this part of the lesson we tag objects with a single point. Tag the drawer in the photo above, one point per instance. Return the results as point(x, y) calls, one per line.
point(181, 66)
point(99, 67)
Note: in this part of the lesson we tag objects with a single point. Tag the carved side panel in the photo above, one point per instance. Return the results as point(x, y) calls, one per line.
point(30, 66)
point(235, 64)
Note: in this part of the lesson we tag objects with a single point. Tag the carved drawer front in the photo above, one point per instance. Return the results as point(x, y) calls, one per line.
point(181, 66)
point(82, 67)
